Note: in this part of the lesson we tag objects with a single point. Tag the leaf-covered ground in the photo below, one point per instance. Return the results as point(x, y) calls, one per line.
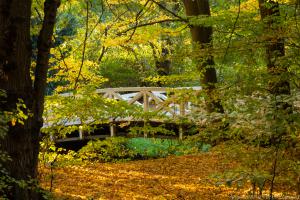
point(175, 177)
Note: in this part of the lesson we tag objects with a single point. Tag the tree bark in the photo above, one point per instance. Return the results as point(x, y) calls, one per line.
point(202, 36)
point(15, 53)
point(22, 141)
point(44, 45)
point(269, 11)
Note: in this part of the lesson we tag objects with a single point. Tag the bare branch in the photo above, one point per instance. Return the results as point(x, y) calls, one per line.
point(104, 48)
point(84, 44)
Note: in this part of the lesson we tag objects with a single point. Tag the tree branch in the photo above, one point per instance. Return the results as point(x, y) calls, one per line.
point(92, 29)
point(42, 63)
point(149, 23)
point(233, 29)
point(169, 11)
point(136, 20)
point(59, 49)
point(84, 45)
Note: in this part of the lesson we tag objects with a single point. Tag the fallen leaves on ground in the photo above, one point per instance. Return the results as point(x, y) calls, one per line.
point(174, 177)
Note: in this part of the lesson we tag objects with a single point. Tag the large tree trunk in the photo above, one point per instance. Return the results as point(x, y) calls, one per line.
point(22, 141)
point(202, 36)
point(15, 54)
point(269, 11)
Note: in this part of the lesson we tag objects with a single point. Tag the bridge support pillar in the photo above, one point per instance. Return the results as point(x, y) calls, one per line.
point(180, 132)
point(182, 114)
point(146, 109)
point(80, 132)
point(113, 130)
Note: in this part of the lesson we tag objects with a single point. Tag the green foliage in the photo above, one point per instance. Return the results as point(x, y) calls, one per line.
point(256, 168)
point(156, 148)
point(120, 149)
point(119, 74)
point(108, 150)
point(149, 130)
point(51, 156)
point(86, 108)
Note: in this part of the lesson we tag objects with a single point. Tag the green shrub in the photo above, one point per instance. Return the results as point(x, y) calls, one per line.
point(110, 149)
point(119, 148)
point(149, 147)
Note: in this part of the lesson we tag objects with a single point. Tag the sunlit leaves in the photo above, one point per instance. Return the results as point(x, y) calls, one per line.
point(170, 177)
point(67, 71)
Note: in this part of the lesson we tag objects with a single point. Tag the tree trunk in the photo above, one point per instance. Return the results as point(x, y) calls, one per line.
point(269, 11)
point(162, 60)
point(22, 141)
point(15, 54)
point(202, 36)
point(278, 83)
point(163, 63)
point(42, 64)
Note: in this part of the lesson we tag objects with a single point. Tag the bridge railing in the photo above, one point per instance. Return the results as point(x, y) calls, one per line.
point(151, 98)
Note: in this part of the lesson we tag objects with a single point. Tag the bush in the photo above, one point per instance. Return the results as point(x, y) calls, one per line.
point(155, 148)
point(108, 150)
point(149, 147)
point(118, 148)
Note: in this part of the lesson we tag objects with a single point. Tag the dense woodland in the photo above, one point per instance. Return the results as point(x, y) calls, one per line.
point(244, 54)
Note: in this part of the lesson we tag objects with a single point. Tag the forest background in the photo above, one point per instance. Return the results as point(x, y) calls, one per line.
point(244, 54)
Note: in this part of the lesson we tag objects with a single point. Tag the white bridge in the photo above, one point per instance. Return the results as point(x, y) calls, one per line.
point(167, 101)
point(151, 98)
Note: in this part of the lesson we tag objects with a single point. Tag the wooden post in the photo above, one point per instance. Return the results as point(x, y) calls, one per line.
point(146, 108)
point(80, 129)
point(146, 101)
point(112, 128)
point(52, 137)
point(181, 113)
point(180, 132)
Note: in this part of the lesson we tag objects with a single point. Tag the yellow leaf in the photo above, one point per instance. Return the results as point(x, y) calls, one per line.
point(13, 121)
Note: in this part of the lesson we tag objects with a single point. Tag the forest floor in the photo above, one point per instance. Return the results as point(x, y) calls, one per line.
point(174, 177)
